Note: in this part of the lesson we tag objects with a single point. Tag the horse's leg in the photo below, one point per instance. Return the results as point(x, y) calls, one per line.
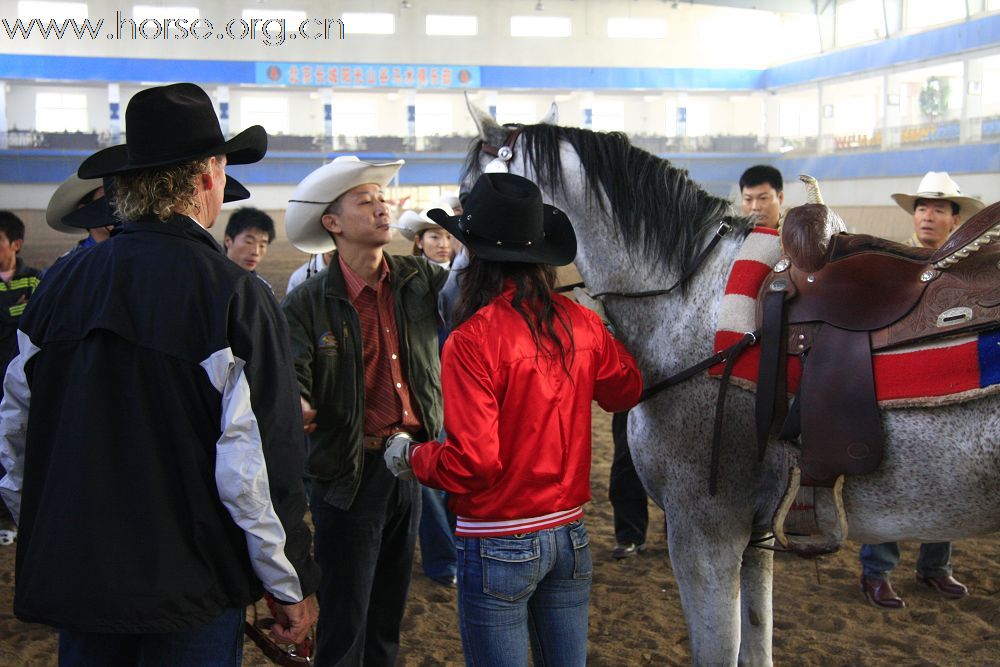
point(706, 563)
point(756, 585)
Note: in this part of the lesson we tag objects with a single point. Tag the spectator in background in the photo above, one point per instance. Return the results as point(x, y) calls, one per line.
point(938, 207)
point(314, 265)
point(248, 234)
point(429, 239)
point(73, 194)
point(762, 191)
point(19, 283)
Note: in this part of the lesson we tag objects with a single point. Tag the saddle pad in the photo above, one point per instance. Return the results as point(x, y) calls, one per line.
point(937, 373)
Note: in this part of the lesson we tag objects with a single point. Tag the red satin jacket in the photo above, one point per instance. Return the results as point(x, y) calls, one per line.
point(517, 457)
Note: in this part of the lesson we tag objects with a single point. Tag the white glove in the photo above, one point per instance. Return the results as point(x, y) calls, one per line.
point(397, 455)
point(584, 299)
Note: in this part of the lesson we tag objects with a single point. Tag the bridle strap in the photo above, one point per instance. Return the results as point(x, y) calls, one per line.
point(498, 151)
point(724, 228)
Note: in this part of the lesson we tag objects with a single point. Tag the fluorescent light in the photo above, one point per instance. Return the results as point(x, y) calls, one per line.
point(158, 13)
point(625, 28)
point(540, 26)
point(451, 25)
point(368, 23)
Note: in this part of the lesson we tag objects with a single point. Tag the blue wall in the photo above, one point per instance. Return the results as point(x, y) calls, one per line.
point(716, 172)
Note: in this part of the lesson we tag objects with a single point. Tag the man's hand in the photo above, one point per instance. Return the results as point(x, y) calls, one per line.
point(308, 415)
point(397, 455)
point(292, 622)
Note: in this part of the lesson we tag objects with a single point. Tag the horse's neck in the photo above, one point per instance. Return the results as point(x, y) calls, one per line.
point(667, 333)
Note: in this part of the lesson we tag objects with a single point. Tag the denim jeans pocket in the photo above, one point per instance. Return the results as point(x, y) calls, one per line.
point(583, 564)
point(510, 565)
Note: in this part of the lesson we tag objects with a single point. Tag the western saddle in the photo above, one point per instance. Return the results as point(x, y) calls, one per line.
point(833, 300)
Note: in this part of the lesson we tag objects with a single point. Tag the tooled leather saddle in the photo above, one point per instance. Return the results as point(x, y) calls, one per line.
point(833, 300)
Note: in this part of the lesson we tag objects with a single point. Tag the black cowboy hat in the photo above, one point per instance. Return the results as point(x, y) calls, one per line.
point(98, 213)
point(504, 220)
point(169, 125)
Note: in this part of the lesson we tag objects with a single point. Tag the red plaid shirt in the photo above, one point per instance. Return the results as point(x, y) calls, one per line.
point(388, 407)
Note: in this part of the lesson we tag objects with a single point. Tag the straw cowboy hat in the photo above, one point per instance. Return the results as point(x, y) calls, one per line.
point(504, 220)
point(66, 200)
point(320, 188)
point(939, 185)
point(169, 125)
point(412, 223)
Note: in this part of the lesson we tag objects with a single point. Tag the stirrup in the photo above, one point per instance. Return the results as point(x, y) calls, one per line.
point(812, 545)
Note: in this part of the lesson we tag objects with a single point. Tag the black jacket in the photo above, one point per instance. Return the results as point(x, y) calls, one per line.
point(154, 416)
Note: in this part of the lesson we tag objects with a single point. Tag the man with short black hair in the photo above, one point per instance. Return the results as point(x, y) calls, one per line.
point(762, 191)
point(19, 283)
point(248, 234)
point(365, 345)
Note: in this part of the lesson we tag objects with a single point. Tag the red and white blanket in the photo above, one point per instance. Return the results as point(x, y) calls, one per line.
point(938, 373)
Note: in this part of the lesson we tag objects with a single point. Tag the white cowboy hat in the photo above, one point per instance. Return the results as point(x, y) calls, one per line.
point(446, 201)
point(320, 188)
point(412, 223)
point(939, 185)
point(66, 199)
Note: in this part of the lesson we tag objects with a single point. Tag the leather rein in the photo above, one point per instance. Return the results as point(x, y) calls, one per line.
point(503, 154)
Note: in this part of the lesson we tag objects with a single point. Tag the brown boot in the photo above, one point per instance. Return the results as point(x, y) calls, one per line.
point(879, 593)
point(946, 585)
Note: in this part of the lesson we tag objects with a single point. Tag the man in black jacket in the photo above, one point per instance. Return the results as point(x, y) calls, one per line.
point(151, 424)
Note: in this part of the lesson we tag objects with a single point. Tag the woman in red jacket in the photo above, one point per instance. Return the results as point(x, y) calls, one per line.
point(519, 372)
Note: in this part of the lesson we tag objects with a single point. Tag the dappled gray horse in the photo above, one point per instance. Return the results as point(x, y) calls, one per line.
point(640, 223)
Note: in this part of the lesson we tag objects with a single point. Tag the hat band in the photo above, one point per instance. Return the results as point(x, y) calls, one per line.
point(499, 243)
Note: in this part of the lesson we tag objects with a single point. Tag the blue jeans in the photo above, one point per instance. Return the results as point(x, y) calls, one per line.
point(218, 643)
point(533, 587)
point(878, 560)
point(437, 539)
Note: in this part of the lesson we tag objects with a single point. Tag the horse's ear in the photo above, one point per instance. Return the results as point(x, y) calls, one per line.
point(485, 125)
point(552, 117)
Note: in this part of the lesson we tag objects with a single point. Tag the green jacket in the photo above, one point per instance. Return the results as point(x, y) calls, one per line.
point(326, 349)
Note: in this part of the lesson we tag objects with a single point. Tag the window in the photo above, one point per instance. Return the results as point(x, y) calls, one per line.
point(540, 26)
point(609, 115)
point(645, 28)
point(61, 112)
point(433, 117)
point(368, 23)
point(451, 25)
point(270, 111)
point(354, 117)
point(58, 11)
point(859, 21)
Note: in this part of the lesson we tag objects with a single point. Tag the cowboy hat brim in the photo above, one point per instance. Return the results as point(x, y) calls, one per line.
point(248, 146)
point(319, 189)
point(558, 247)
point(65, 199)
point(967, 206)
point(98, 213)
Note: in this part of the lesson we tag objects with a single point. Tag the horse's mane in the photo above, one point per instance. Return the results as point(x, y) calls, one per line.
point(653, 203)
